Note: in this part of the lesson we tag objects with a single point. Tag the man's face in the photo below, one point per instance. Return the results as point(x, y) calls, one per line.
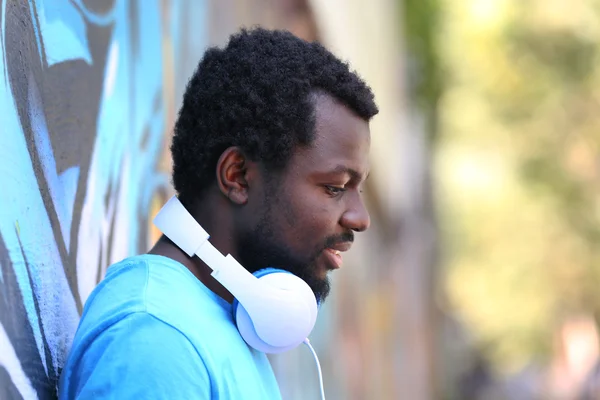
point(307, 215)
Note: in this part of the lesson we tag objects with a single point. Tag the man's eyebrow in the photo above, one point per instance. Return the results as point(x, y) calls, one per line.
point(355, 175)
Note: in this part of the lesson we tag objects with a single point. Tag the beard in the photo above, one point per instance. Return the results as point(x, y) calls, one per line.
point(261, 248)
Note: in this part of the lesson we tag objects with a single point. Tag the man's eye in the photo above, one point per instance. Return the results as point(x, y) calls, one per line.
point(335, 190)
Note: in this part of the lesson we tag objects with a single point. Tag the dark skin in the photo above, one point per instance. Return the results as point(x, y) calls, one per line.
point(298, 219)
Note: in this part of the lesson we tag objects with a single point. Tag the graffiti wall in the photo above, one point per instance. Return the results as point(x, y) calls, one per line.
point(89, 91)
point(86, 90)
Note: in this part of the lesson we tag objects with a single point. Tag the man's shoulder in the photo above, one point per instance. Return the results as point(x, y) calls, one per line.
point(119, 294)
point(137, 355)
point(140, 283)
point(164, 289)
point(174, 295)
point(136, 338)
point(149, 310)
point(143, 334)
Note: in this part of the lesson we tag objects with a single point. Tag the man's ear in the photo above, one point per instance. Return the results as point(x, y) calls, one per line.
point(234, 174)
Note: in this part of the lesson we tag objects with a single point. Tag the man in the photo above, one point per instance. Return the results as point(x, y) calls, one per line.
point(270, 153)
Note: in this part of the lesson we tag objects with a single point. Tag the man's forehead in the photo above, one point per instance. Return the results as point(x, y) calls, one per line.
point(334, 117)
point(340, 145)
point(334, 157)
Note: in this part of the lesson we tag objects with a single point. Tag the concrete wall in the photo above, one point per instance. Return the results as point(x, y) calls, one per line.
point(86, 90)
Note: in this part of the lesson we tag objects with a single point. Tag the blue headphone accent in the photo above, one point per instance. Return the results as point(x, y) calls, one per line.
point(258, 274)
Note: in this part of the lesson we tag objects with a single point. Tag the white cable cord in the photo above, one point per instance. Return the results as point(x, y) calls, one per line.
point(307, 342)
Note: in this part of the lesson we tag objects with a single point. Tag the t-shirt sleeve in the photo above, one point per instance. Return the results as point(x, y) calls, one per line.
point(142, 357)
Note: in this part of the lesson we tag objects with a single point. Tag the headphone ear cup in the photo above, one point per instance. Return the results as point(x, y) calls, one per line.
point(294, 335)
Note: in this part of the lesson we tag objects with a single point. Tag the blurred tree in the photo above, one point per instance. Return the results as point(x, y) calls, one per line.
point(519, 169)
point(416, 246)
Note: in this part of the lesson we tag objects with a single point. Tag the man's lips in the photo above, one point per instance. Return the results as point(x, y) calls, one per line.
point(334, 258)
point(334, 254)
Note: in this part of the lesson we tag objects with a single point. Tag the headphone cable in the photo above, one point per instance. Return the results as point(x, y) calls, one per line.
point(307, 342)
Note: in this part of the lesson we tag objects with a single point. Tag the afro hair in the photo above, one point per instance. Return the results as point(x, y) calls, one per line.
point(257, 94)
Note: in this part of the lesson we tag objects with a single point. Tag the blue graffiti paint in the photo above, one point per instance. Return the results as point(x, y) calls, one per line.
point(14, 153)
point(62, 222)
point(131, 104)
point(63, 31)
point(48, 164)
point(93, 17)
point(2, 34)
point(68, 181)
point(36, 29)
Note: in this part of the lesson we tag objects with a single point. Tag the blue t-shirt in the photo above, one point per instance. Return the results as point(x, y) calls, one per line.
point(152, 330)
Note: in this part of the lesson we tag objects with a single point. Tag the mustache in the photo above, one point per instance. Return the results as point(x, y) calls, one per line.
point(343, 238)
point(329, 242)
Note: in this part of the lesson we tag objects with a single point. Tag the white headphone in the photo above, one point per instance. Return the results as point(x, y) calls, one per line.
point(274, 310)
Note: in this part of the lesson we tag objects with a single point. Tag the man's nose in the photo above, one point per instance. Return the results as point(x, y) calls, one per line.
point(356, 216)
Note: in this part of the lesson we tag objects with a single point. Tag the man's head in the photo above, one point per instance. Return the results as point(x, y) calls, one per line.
point(279, 128)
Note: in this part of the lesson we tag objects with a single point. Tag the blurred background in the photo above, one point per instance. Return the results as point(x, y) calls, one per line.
point(480, 275)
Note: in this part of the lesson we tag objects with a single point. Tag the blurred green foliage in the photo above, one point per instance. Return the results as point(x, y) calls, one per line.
point(518, 168)
point(422, 56)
